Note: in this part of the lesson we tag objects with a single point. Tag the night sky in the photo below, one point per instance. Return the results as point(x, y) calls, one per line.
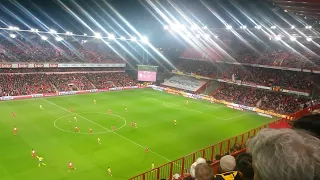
point(55, 14)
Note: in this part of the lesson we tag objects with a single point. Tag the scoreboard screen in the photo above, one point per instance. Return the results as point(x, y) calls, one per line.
point(147, 73)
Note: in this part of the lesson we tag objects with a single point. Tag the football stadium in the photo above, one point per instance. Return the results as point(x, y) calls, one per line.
point(160, 90)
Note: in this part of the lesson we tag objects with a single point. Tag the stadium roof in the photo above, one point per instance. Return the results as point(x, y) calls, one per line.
point(305, 8)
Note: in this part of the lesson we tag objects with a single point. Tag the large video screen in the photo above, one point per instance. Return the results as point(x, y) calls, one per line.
point(147, 76)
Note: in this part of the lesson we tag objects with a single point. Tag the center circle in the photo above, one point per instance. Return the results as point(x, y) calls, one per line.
point(99, 122)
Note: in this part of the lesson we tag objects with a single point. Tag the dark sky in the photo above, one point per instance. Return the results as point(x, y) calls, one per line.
point(43, 14)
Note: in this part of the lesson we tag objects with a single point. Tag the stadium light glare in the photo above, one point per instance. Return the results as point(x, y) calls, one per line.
point(133, 39)
point(11, 28)
point(277, 38)
point(258, 27)
point(44, 38)
point(111, 36)
point(198, 36)
point(308, 27)
point(122, 38)
point(166, 27)
point(309, 39)
point(144, 39)
point(85, 34)
point(293, 38)
point(273, 27)
point(292, 27)
point(229, 27)
point(216, 36)
point(205, 27)
point(207, 36)
point(13, 35)
point(59, 39)
point(194, 27)
point(97, 35)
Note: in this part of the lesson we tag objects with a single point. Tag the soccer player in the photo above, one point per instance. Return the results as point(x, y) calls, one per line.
point(40, 161)
point(90, 130)
point(187, 102)
point(75, 118)
point(175, 122)
point(41, 107)
point(76, 129)
point(152, 166)
point(109, 171)
point(13, 115)
point(70, 166)
point(147, 149)
point(135, 125)
point(126, 109)
point(132, 124)
point(94, 102)
point(113, 128)
point(33, 154)
point(15, 131)
point(99, 141)
point(70, 110)
point(109, 111)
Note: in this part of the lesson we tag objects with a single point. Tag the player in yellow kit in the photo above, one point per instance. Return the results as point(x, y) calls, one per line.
point(99, 141)
point(40, 161)
point(109, 171)
point(94, 102)
point(175, 122)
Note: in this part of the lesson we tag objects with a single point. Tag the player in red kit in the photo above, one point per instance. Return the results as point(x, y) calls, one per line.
point(15, 131)
point(13, 115)
point(76, 129)
point(70, 110)
point(147, 149)
point(109, 111)
point(113, 128)
point(90, 130)
point(70, 166)
point(33, 154)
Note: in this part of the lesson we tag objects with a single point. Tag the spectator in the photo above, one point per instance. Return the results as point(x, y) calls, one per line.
point(193, 166)
point(244, 166)
point(285, 154)
point(203, 171)
point(227, 169)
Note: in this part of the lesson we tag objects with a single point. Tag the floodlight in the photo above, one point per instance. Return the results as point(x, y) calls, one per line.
point(52, 31)
point(293, 38)
point(144, 39)
point(69, 33)
point(59, 39)
point(229, 27)
point(207, 36)
point(243, 27)
point(166, 27)
point(44, 38)
point(216, 36)
point(11, 27)
point(309, 39)
point(308, 27)
point(111, 36)
point(258, 27)
point(273, 27)
point(97, 35)
point(122, 38)
point(292, 27)
point(85, 34)
point(133, 38)
point(278, 38)
point(13, 35)
point(33, 30)
point(285, 10)
point(205, 27)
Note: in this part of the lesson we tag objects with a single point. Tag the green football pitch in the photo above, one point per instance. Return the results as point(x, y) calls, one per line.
point(50, 132)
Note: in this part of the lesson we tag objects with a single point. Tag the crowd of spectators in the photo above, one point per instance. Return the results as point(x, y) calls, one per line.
point(21, 50)
point(291, 80)
point(25, 84)
point(264, 99)
point(43, 70)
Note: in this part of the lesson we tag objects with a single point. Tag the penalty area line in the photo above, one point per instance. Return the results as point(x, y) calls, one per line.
point(107, 129)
